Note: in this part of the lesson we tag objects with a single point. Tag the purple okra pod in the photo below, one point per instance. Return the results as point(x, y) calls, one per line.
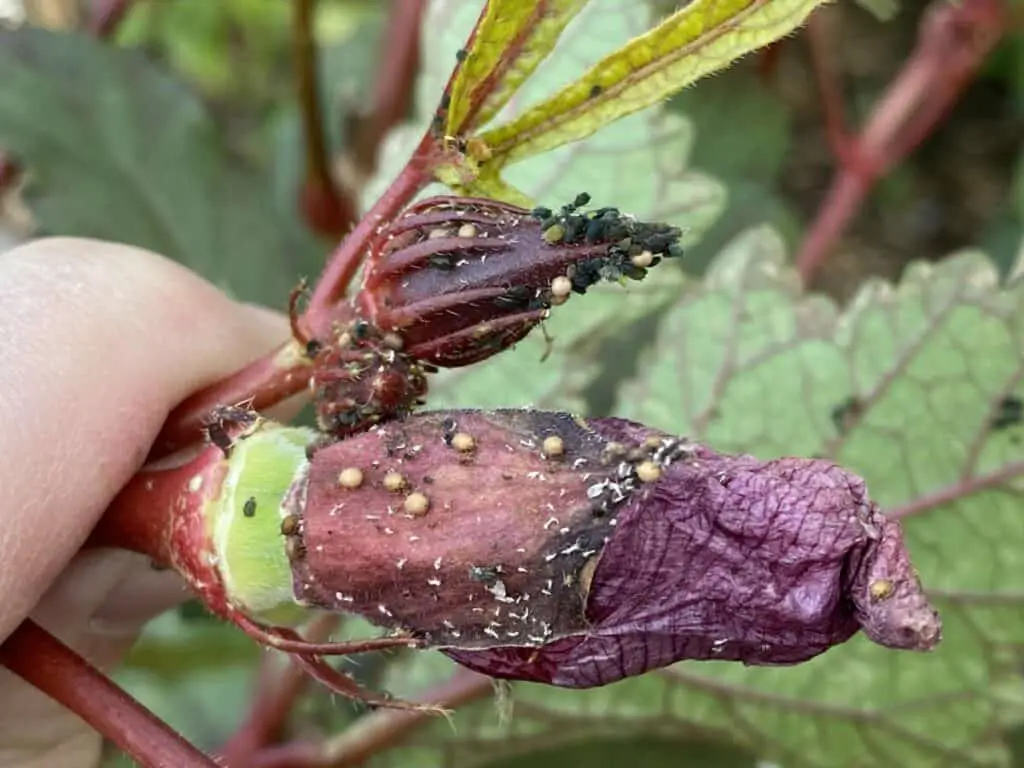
point(537, 546)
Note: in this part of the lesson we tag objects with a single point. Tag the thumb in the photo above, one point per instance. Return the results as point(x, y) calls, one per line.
point(102, 341)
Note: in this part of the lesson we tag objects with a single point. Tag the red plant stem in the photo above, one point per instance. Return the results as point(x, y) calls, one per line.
point(284, 372)
point(327, 209)
point(828, 86)
point(261, 384)
point(107, 17)
point(953, 41)
point(344, 263)
point(8, 172)
point(277, 689)
point(40, 659)
point(377, 731)
point(304, 51)
point(964, 487)
point(393, 88)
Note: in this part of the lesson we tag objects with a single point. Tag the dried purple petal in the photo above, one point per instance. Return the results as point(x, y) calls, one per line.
point(629, 550)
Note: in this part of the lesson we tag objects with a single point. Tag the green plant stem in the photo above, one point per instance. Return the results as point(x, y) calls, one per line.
point(40, 659)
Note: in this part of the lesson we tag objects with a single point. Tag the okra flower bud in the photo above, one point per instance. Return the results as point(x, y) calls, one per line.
point(459, 279)
point(536, 546)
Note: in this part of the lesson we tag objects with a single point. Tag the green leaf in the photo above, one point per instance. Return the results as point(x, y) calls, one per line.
point(917, 388)
point(640, 163)
point(748, 162)
point(509, 42)
point(116, 150)
point(701, 38)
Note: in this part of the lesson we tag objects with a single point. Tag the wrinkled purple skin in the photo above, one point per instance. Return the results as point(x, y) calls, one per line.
point(731, 558)
point(722, 557)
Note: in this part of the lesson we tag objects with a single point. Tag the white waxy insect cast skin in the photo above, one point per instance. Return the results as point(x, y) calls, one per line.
point(245, 522)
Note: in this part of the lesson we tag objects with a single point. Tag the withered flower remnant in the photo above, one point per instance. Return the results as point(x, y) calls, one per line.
point(459, 279)
point(364, 376)
point(578, 553)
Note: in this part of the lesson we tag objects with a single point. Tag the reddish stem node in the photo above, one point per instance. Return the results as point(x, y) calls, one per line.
point(40, 659)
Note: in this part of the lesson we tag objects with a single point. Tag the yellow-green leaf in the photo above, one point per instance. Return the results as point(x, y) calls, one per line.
point(511, 38)
point(703, 37)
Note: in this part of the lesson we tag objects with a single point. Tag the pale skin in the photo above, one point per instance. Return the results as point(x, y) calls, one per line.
point(99, 342)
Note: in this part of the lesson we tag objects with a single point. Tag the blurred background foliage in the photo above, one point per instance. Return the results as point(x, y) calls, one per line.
point(182, 134)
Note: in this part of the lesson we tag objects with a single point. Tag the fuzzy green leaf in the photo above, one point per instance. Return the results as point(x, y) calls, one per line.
point(701, 38)
point(134, 157)
point(639, 163)
point(511, 39)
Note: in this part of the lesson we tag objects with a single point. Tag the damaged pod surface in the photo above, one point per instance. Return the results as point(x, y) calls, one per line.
point(535, 546)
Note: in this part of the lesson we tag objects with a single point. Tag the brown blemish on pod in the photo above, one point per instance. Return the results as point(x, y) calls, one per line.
point(587, 575)
point(290, 525)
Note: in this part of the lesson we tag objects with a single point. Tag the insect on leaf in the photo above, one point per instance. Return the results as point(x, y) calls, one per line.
point(510, 40)
point(703, 37)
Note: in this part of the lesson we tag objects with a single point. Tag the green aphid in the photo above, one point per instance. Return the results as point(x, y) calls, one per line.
point(554, 234)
